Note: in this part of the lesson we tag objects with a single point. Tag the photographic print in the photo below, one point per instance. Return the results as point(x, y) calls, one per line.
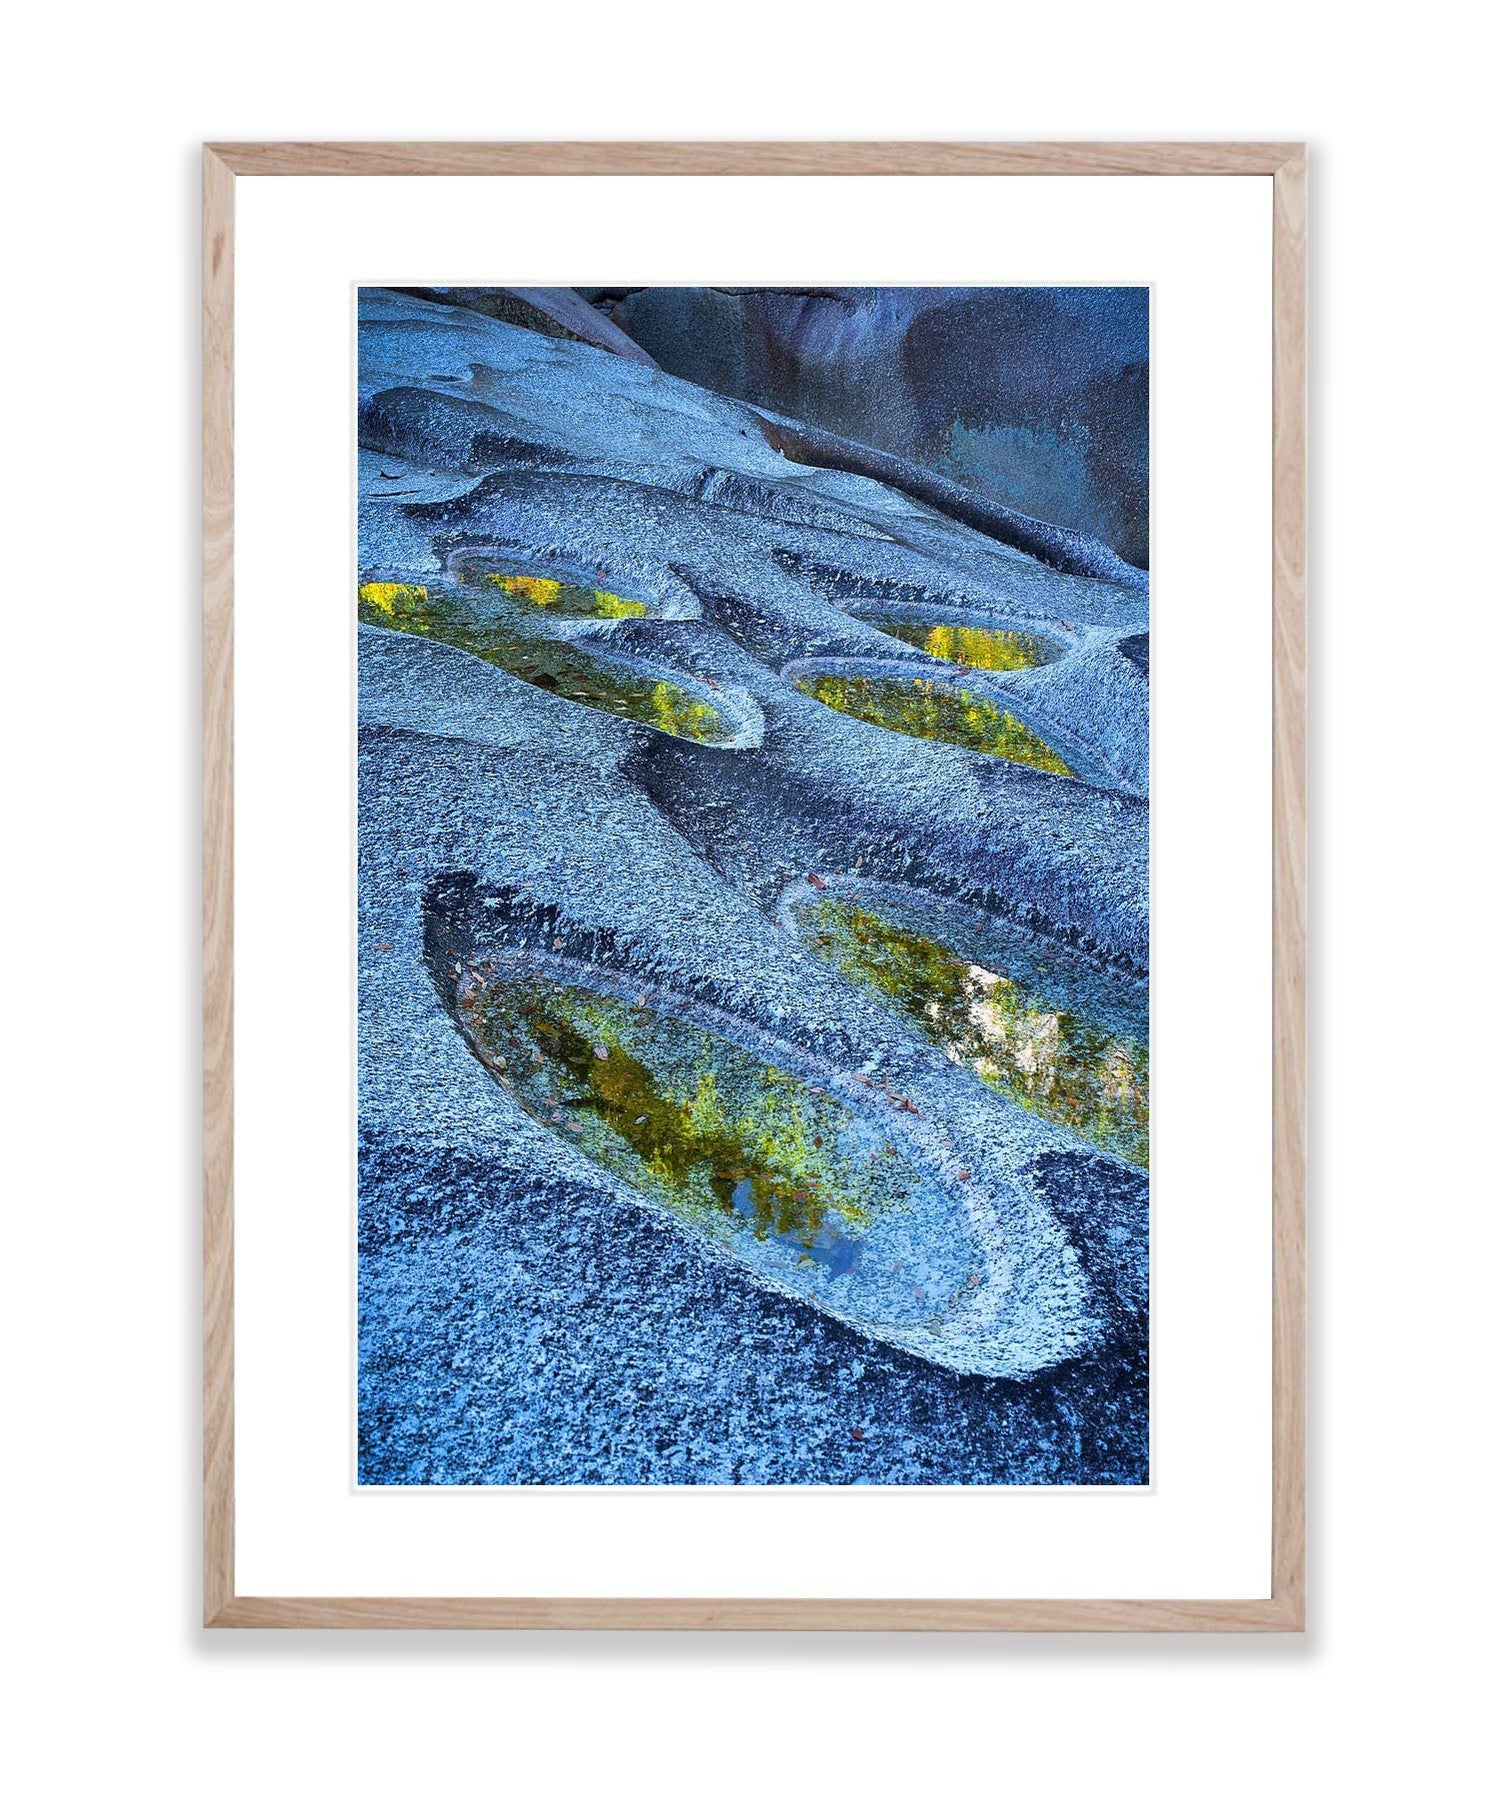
point(753, 886)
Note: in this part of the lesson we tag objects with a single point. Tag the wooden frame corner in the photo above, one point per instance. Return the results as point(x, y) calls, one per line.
point(1286, 163)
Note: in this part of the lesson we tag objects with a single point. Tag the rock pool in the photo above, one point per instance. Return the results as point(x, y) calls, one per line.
point(973, 646)
point(492, 620)
point(1039, 1024)
point(809, 1192)
point(938, 710)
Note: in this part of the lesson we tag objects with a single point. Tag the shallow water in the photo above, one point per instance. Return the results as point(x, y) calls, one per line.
point(503, 630)
point(1045, 1030)
point(973, 646)
point(938, 710)
point(749, 1155)
point(565, 598)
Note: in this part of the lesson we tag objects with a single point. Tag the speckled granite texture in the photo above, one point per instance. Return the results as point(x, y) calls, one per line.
point(525, 1314)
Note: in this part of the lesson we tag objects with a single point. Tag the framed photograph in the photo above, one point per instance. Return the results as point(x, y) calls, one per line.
point(754, 809)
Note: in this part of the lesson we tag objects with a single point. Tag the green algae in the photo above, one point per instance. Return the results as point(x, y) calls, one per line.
point(938, 710)
point(1015, 1026)
point(974, 646)
point(733, 1144)
point(502, 634)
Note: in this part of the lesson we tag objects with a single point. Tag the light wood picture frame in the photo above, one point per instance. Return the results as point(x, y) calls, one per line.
point(1285, 163)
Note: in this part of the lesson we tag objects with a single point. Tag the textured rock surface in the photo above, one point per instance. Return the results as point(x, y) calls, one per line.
point(1036, 397)
point(556, 311)
point(522, 1319)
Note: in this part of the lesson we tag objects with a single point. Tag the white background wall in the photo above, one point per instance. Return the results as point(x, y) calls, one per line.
point(113, 1684)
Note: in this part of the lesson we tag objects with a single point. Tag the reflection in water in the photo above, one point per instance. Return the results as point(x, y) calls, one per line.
point(936, 709)
point(973, 646)
point(747, 1153)
point(1056, 1038)
point(557, 596)
point(503, 631)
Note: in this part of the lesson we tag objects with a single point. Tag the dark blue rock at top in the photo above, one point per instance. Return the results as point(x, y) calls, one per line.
point(521, 1319)
point(1036, 396)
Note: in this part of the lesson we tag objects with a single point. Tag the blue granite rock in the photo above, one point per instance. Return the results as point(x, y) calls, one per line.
point(1036, 397)
point(527, 1314)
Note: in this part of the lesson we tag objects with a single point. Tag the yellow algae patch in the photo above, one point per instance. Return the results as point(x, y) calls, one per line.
point(610, 605)
point(972, 647)
point(566, 596)
point(936, 710)
point(395, 599)
point(1052, 1056)
point(535, 588)
point(673, 710)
